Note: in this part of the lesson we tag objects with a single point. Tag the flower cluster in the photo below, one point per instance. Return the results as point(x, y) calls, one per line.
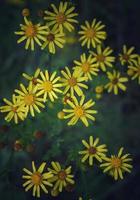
point(71, 85)
point(32, 98)
point(115, 165)
point(56, 178)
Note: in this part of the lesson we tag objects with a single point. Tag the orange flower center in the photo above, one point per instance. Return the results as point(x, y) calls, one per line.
point(48, 86)
point(100, 58)
point(79, 111)
point(36, 178)
point(30, 30)
point(62, 175)
point(72, 81)
point(116, 162)
point(86, 67)
point(115, 81)
point(29, 99)
point(90, 33)
point(60, 18)
point(92, 150)
point(50, 37)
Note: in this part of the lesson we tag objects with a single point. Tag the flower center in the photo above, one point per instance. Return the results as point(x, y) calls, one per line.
point(36, 178)
point(14, 109)
point(34, 81)
point(125, 57)
point(29, 99)
point(79, 111)
point(50, 37)
point(114, 81)
point(48, 86)
point(116, 162)
point(100, 58)
point(86, 67)
point(72, 81)
point(90, 33)
point(30, 31)
point(62, 175)
point(60, 18)
point(92, 150)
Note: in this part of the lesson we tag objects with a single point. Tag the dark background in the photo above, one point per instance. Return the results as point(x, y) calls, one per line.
point(117, 122)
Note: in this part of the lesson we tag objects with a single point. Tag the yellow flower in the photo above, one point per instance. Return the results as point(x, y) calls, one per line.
point(53, 38)
point(62, 177)
point(86, 66)
point(31, 33)
point(116, 82)
point(135, 70)
point(127, 56)
point(103, 58)
point(93, 151)
point(28, 98)
point(73, 82)
point(80, 111)
point(37, 179)
point(61, 17)
point(14, 109)
point(33, 78)
point(48, 85)
point(116, 165)
point(92, 34)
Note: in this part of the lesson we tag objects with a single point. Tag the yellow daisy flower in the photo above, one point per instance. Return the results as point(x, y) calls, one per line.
point(48, 85)
point(37, 179)
point(116, 165)
point(33, 78)
point(80, 111)
point(127, 56)
point(135, 70)
point(116, 82)
point(103, 57)
point(28, 98)
point(73, 82)
point(53, 38)
point(86, 66)
point(61, 17)
point(92, 34)
point(31, 33)
point(14, 109)
point(62, 177)
point(93, 151)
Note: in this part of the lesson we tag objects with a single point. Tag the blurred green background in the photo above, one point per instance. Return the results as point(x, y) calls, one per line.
point(117, 121)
